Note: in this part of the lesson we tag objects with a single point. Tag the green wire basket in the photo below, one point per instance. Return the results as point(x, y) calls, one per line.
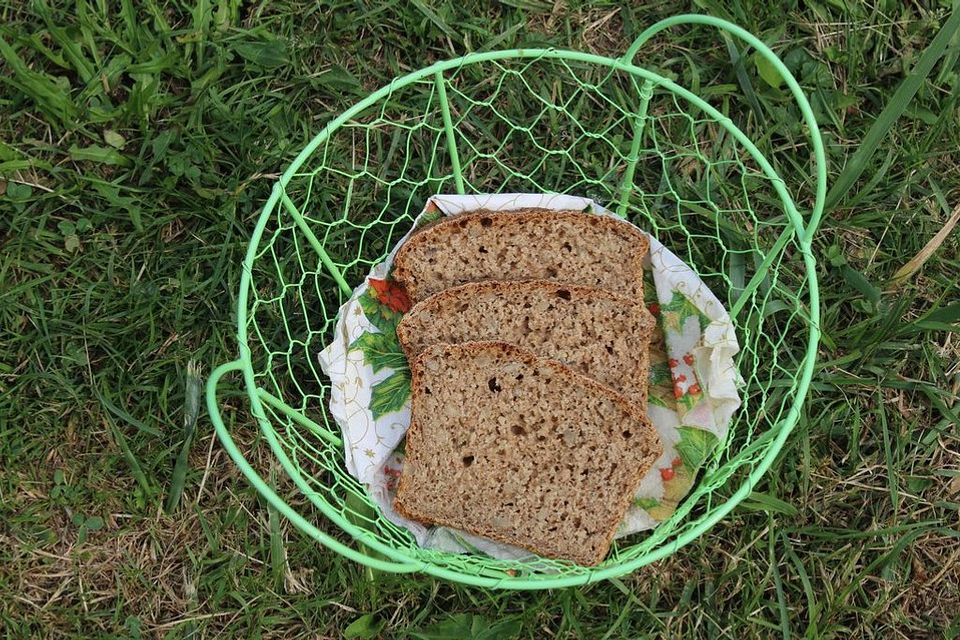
point(525, 120)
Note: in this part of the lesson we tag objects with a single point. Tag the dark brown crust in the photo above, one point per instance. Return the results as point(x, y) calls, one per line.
point(402, 273)
point(475, 288)
point(651, 441)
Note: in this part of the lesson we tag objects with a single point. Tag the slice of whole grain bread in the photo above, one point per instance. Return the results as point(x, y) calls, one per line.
point(522, 450)
point(594, 332)
point(527, 244)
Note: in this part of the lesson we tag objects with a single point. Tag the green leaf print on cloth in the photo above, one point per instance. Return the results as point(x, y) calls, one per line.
point(682, 323)
point(676, 312)
point(390, 395)
point(380, 350)
point(660, 374)
point(384, 304)
point(646, 503)
point(694, 446)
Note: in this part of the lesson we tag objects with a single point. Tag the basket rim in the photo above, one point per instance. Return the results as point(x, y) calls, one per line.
point(401, 558)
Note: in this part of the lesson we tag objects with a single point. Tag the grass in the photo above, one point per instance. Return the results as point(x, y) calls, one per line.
point(139, 141)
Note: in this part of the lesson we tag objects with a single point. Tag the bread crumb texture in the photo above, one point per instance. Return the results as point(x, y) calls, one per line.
point(522, 450)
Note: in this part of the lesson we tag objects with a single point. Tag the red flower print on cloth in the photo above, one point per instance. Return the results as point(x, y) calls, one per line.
point(667, 474)
point(688, 359)
point(654, 308)
point(391, 294)
point(393, 477)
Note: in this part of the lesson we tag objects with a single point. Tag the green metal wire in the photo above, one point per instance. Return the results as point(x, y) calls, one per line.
point(529, 120)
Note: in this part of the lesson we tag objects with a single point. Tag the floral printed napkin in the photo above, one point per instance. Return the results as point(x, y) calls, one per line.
point(693, 378)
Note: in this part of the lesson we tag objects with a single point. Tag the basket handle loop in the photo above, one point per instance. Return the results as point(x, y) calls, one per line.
point(819, 158)
point(271, 496)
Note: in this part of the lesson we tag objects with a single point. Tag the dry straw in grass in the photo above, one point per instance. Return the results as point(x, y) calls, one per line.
point(917, 261)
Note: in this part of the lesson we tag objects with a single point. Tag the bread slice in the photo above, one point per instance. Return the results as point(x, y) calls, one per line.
point(594, 332)
point(527, 244)
point(522, 450)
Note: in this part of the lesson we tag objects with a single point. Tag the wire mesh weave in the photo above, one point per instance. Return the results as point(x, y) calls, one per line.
point(523, 121)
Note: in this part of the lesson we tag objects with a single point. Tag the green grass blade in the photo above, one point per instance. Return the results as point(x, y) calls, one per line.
point(131, 459)
point(71, 49)
point(191, 410)
point(764, 502)
point(434, 17)
point(126, 417)
point(891, 113)
point(813, 607)
point(48, 95)
point(784, 612)
point(179, 478)
point(892, 482)
point(278, 557)
point(737, 61)
point(883, 560)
